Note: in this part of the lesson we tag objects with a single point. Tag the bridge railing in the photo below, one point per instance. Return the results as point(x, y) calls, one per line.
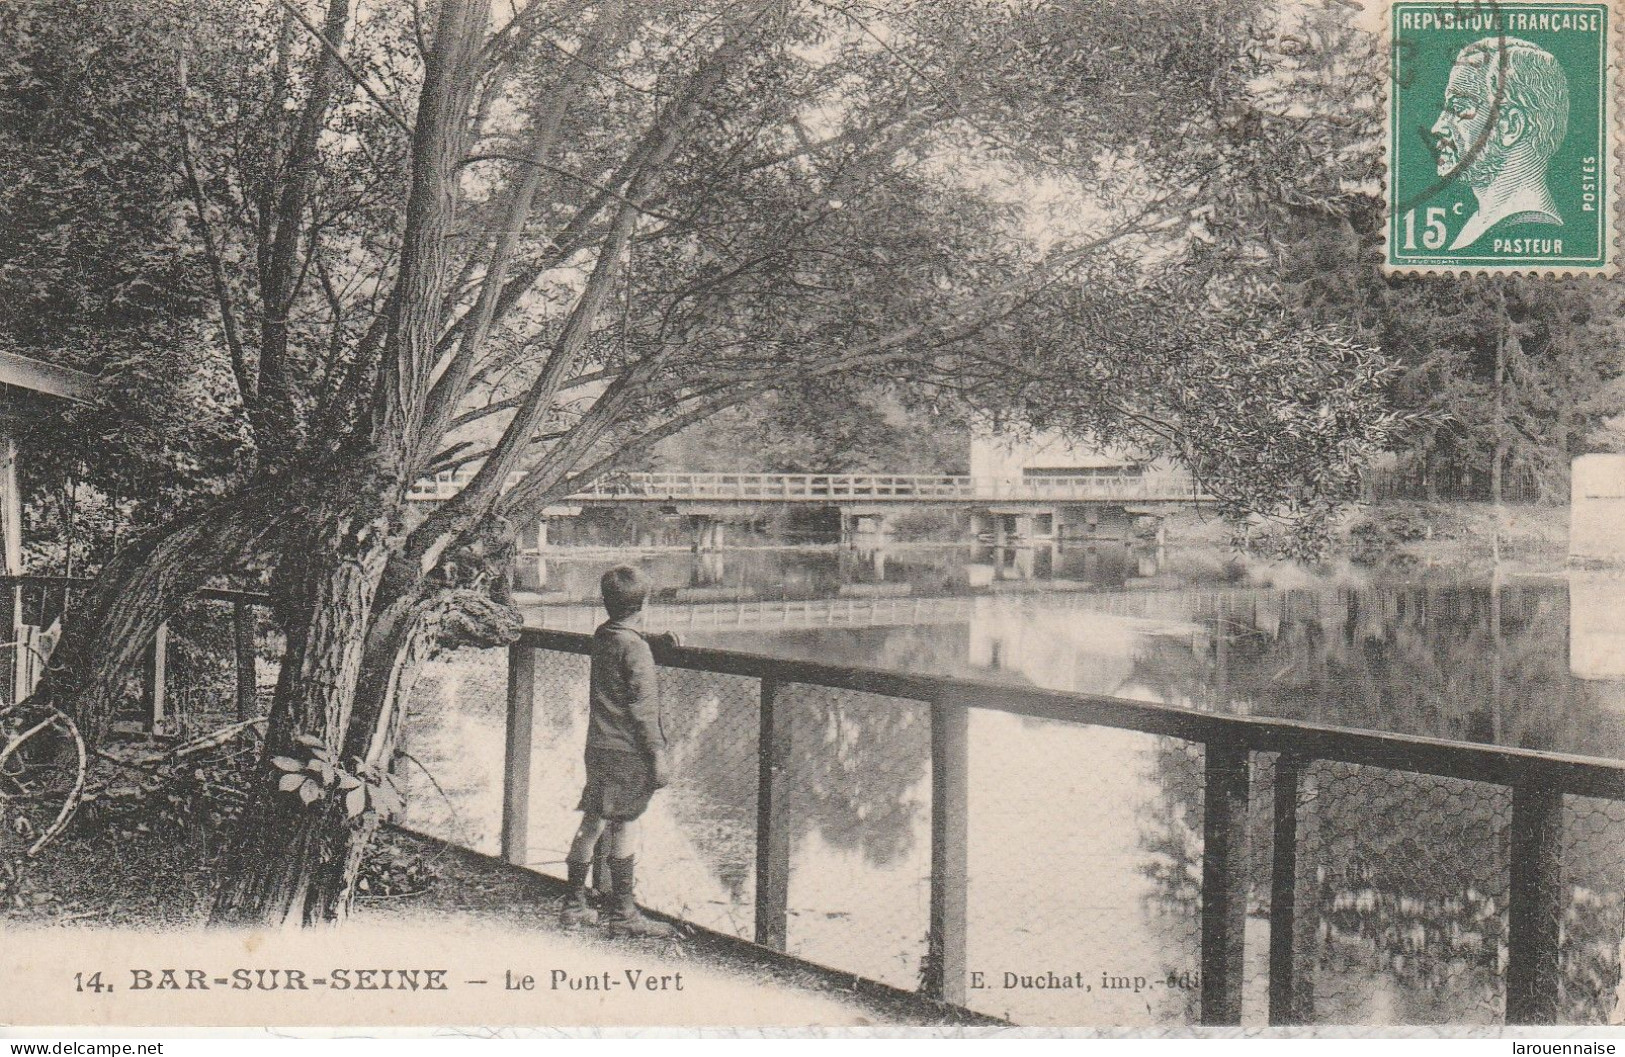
point(814, 487)
point(1339, 839)
point(901, 487)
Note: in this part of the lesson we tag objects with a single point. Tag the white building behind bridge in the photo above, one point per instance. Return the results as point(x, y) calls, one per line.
point(1010, 456)
point(1051, 462)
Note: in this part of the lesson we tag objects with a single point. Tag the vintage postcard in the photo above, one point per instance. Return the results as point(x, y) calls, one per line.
point(805, 514)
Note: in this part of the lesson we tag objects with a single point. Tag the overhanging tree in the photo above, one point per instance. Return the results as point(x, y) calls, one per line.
point(536, 242)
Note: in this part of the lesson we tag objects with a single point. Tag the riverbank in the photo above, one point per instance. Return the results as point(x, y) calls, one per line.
point(150, 889)
point(1393, 535)
point(1401, 533)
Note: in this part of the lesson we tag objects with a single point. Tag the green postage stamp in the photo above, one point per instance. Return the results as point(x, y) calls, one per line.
point(1501, 137)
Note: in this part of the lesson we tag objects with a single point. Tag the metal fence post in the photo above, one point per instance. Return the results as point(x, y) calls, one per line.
point(1535, 907)
point(1224, 881)
point(950, 785)
point(1284, 893)
point(773, 821)
point(516, 762)
point(242, 628)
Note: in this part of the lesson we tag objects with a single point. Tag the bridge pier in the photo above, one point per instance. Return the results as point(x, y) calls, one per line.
point(1094, 521)
point(529, 567)
point(529, 572)
point(711, 569)
point(1017, 528)
point(865, 528)
point(534, 539)
point(711, 533)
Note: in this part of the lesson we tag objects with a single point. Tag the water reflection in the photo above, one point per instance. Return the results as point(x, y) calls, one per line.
point(1597, 629)
point(1492, 663)
point(808, 573)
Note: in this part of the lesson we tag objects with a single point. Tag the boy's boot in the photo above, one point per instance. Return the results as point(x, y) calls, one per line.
point(624, 916)
point(576, 909)
point(601, 892)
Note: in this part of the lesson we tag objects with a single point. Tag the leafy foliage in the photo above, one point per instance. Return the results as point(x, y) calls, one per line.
point(152, 792)
point(838, 426)
point(391, 871)
point(1273, 417)
point(1561, 361)
point(98, 267)
point(367, 788)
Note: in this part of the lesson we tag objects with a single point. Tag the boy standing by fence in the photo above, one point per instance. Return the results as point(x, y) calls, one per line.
point(627, 758)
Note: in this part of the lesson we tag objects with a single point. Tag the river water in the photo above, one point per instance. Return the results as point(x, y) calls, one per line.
point(1085, 843)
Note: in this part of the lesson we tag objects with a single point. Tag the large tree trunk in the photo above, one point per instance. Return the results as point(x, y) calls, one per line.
point(143, 586)
point(288, 858)
point(382, 723)
point(293, 861)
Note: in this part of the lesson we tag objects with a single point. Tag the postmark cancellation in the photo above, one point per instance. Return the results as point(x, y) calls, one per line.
point(1501, 137)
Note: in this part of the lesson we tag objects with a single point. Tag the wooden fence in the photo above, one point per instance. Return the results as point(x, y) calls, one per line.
point(1538, 782)
point(58, 592)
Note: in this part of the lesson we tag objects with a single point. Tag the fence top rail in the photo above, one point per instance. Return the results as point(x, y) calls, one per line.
point(1500, 765)
point(218, 594)
point(44, 580)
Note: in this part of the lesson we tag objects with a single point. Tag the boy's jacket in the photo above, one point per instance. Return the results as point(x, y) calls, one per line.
point(624, 692)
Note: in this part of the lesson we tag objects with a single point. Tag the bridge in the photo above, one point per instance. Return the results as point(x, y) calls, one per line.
point(842, 488)
point(1003, 509)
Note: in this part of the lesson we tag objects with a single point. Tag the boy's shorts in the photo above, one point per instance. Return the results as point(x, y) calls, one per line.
point(619, 785)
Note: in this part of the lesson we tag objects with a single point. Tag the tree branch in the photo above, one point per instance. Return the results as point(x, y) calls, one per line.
point(354, 74)
point(211, 250)
point(448, 389)
point(418, 300)
point(601, 189)
point(464, 512)
point(275, 390)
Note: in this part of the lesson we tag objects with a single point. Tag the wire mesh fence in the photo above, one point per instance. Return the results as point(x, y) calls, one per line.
point(1085, 867)
point(860, 861)
point(1085, 843)
point(699, 835)
point(1593, 921)
point(452, 748)
point(1402, 894)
